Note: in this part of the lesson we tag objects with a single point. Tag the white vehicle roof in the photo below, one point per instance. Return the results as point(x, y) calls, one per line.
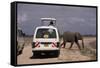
point(46, 27)
point(48, 19)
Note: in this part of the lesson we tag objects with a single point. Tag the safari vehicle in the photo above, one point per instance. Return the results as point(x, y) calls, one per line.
point(20, 41)
point(46, 39)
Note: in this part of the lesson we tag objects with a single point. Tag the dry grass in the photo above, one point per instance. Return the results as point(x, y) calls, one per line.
point(93, 44)
point(89, 52)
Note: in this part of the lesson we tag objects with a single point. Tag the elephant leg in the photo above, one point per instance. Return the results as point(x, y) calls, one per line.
point(71, 45)
point(82, 44)
point(64, 44)
point(78, 44)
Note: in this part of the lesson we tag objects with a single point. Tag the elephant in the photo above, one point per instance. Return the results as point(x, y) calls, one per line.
point(72, 37)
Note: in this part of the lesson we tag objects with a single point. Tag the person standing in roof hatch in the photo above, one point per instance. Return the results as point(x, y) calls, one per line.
point(51, 23)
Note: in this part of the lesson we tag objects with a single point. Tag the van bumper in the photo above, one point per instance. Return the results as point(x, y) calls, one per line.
point(45, 49)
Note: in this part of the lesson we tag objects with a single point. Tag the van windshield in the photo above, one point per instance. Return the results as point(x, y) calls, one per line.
point(46, 33)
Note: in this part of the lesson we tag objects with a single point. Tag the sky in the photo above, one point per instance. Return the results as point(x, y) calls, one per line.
point(68, 18)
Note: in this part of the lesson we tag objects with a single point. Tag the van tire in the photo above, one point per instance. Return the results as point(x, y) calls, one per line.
point(36, 54)
point(56, 53)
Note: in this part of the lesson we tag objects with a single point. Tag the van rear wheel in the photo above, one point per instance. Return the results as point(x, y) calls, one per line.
point(56, 53)
point(36, 54)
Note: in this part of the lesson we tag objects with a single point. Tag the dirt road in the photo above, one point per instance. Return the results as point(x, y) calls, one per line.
point(66, 55)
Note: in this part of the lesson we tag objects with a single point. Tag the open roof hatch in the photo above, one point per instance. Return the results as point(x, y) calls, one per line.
point(49, 21)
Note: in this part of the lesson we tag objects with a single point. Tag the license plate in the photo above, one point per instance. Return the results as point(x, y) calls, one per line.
point(46, 45)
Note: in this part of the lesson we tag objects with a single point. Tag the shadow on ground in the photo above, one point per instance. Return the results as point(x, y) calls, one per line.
point(42, 57)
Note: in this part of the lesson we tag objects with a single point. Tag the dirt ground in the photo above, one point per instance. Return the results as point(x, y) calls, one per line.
point(66, 55)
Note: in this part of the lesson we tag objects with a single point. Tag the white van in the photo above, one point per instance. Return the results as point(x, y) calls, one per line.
point(46, 40)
